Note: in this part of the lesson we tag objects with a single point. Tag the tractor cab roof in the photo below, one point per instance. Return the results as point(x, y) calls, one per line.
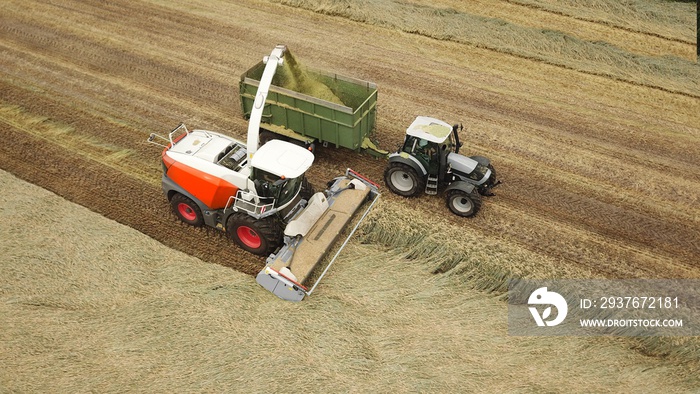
point(430, 129)
point(283, 159)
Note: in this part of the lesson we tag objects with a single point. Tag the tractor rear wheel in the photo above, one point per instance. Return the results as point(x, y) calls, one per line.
point(403, 180)
point(187, 210)
point(257, 236)
point(462, 203)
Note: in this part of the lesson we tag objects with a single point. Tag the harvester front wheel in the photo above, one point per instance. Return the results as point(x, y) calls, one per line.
point(307, 190)
point(462, 203)
point(257, 236)
point(403, 180)
point(187, 210)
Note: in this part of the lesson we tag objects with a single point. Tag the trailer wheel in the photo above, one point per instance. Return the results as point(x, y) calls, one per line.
point(403, 180)
point(187, 210)
point(257, 236)
point(462, 203)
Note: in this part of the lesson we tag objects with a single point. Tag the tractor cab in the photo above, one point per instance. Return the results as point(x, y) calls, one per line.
point(430, 141)
point(429, 160)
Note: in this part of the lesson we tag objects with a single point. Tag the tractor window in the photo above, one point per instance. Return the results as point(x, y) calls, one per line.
point(451, 143)
point(426, 149)
point(409, 145)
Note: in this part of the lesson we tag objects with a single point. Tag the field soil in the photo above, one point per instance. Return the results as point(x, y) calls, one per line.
point(599, 153)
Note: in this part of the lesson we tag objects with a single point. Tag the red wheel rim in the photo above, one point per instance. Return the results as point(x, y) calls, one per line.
point(249, 237)
point(186, 212)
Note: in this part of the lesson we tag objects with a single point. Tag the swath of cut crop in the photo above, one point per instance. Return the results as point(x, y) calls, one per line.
point(548, 46)
point(521, 13)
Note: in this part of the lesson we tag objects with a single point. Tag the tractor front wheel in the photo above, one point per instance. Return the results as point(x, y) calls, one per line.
point(403, 180)
point(462, 203)
point(257, 236)
point(187, 210)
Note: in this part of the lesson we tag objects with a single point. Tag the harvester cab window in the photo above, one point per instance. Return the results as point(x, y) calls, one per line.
point(273, 186)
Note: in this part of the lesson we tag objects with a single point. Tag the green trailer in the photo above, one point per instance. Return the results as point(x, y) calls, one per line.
point(309, 119)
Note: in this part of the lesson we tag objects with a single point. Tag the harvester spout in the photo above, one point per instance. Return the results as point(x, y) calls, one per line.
point(275, 59)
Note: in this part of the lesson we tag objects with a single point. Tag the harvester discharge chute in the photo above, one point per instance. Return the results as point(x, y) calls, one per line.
point(311, 235)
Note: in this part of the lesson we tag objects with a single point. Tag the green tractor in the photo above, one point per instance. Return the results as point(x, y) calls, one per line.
point(429, 160)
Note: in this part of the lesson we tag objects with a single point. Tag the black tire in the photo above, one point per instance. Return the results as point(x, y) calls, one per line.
point(266, 136)
point(307, 190)
point(485, 188)
point(403, 180)
point(493, 172)
point(187, 210)
point(259, 237)
point(462, 203)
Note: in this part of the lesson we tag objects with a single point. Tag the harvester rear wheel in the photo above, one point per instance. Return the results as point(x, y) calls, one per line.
point(462, 203)
point(187, 210)
point(403, 180)
point(257, 236)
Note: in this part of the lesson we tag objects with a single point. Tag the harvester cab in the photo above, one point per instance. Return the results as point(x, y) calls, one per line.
point(260, 197)
point(429, 160)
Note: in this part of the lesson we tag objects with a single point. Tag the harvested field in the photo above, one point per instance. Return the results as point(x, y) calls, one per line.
point(591, 118)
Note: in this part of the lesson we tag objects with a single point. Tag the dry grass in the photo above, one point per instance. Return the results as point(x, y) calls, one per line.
point(68, 138)
point(552, 17)
point(90, 305)
point(553, 47)
point(671, 19)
